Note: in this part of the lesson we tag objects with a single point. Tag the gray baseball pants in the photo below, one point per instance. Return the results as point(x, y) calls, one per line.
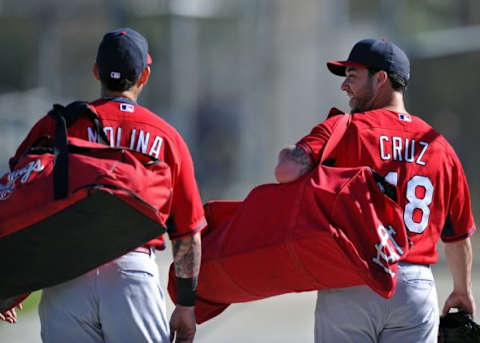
point(121, 301)
point(359, 315)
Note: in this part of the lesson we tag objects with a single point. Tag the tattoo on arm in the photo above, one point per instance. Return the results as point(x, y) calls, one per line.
point(186, 256)
point(299, 156)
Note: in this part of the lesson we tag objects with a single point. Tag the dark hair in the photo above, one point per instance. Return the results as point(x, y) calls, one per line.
point(117, 85)
point(398, 83)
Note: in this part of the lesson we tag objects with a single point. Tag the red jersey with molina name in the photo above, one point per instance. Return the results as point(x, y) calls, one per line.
point(432, 186)
point(130, 125)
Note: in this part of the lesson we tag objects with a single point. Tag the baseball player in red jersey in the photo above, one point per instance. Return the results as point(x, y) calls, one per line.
point(122, 301)
point(432, 190)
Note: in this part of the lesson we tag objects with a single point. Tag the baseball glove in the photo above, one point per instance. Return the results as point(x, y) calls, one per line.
point(458, 327)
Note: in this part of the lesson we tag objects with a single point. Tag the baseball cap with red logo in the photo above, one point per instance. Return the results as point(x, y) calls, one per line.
point(377, 54)
point(123, 54)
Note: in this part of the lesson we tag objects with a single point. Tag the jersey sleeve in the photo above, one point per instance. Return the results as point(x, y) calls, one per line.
point(314, 143)
point(459, 223)
point(44, 128)
point(187, 208)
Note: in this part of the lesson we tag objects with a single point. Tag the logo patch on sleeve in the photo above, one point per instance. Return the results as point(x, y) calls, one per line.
point(127, 108)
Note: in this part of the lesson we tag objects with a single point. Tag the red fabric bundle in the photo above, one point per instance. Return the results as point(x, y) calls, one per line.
point(332, 228)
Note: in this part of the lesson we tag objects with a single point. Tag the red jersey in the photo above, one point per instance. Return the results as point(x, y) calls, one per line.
point(409, 153)
point(129, 125)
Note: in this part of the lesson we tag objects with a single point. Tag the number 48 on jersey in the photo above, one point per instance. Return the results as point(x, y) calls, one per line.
point(419, 196)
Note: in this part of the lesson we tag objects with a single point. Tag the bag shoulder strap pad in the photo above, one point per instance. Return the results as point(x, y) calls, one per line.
point(337, 134)
point(73, 111)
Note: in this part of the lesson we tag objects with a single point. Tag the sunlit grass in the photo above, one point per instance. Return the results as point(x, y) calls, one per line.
point(31, 303)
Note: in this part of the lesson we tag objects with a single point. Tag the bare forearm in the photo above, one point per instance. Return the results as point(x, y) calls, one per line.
point(187, 255)
point(459, 258)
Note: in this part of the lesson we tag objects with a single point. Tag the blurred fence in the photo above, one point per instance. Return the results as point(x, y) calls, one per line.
point(239, 79)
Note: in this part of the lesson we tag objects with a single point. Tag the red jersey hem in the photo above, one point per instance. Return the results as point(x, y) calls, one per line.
point(199, 227)
point(461, 237)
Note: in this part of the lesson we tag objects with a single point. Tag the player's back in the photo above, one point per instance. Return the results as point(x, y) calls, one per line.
point(133, 126)
point(430, 179)
point(127, 124)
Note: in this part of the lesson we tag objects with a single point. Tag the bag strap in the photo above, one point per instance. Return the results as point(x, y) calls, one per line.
point(60, 169)
point(65, 117)
point(73, 111)
point(337, 134)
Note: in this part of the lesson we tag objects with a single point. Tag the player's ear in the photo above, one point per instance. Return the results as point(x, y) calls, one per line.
point(143, 79)
point(380, 78)
point(95, 71)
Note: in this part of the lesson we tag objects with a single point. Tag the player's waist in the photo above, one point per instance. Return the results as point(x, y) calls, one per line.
point(155, 244)
point(423, 256)
point(144, 249)
point(410, 272)
point(148, 248)
point(405, 264)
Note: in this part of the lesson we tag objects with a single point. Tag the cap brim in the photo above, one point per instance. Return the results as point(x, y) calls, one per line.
point(339, 67)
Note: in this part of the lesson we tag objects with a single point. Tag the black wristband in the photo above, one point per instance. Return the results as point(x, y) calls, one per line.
point(186, 291)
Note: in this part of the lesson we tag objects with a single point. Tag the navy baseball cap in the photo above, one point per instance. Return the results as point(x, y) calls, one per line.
point(123, 54)
point(377, 54)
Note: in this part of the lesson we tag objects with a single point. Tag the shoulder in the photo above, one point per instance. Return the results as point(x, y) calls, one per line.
point(386, 119)
point(329, 124)
point(136, 115)
point(430, 134)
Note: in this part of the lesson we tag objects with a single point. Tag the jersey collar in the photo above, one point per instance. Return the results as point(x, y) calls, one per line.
point(120, 99)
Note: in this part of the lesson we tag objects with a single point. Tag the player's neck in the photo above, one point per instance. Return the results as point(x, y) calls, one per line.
point(396, 103)
point(131, 94)
point(392, 101)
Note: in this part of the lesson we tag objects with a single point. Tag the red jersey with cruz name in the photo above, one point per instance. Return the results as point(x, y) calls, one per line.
point(432, 186)
point(129, 125)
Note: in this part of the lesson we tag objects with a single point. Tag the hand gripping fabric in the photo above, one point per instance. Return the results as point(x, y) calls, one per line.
point(458, 327)
point(69, 207)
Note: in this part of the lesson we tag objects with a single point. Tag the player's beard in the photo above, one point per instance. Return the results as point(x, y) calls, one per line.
point(362, 101)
